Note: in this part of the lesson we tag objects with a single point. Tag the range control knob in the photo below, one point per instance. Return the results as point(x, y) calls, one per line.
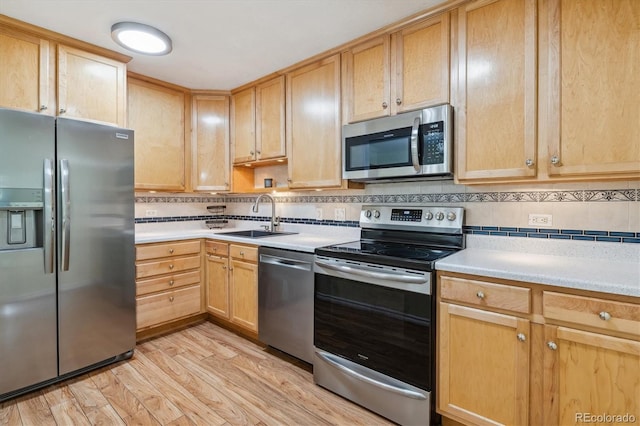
point(367, 213)
point(439, 216)
point(376, 214)
point(429, 216)
point(451, 216)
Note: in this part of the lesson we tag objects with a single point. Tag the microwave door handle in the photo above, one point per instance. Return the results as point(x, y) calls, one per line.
point(415, 160)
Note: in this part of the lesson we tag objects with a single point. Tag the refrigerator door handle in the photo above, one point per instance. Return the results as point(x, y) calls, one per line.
point(49, 217)
point(65, 212)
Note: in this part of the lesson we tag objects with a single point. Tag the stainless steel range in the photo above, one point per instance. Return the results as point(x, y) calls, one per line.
point(374, 310)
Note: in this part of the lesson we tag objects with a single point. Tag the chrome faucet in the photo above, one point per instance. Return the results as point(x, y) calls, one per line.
point(274, 222)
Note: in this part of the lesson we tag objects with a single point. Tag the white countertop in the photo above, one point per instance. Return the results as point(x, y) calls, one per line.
point(306, 239)
point(603, 267)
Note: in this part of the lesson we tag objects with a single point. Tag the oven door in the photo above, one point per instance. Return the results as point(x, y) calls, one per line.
point(376, 316)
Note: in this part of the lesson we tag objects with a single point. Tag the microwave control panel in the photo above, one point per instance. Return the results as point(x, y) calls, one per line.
point(433, 143)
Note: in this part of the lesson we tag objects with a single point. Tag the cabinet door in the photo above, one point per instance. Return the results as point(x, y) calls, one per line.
point(243, 125)
point(313, 125)
point(496, 115)
point(270, 125)
point(210, 160)
point(420, 65)
point(24, 72)
point(244, 294)
point(367, 80)
point(217, 286)
point(91, 87)
point(593, 117)
point(589, 374)
point(483, 366)
point(156, 114)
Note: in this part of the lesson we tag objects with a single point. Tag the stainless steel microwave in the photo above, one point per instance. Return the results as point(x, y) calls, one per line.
point(407, 146)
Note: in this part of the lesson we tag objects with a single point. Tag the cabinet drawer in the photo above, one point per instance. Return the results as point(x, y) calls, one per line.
point(167, 306)
point(485, 294)
point(592, 311)
point(219, 249)
point(249, 254)
point(166, 266)
point(178, 248)
point(166, 282)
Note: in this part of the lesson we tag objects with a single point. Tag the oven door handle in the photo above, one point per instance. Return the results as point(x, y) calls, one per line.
point(334, 361)
point(398, 277)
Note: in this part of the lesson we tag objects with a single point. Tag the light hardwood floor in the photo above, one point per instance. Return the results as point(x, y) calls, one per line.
point(202, 375)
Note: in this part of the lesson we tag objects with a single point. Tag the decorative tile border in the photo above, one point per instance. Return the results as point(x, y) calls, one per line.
point(299, 221)
point(452, 197)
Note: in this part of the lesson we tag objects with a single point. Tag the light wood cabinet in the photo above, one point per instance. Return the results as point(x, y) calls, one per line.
point(495, 123)
point(406, 70)
point(313, 125)
point(210, 161)
point(232, 283)
point(91, 87)
point(243, 125)
point(157, 115)
point(24, 72)
point(168, 278)
point(592, 124)
point(508, 348)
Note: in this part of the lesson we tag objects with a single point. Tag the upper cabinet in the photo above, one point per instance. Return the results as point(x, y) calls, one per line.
point(313, 125)
point(495, 115)
point(91, 87)
point(257, 122)
point(406, 70)
point(77, 82)
point(592, 124)
point(210, 143)
point(157, 115)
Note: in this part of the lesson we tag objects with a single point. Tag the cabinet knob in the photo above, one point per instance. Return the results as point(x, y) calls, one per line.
point(171, 299)
point(398, 101)
point(170, 251)
point(555, 160)
point(604, 316)
point(529, 162)
point(170, 266)
point(384, 105)
point(522, 337)
point(241, 253)
point(43, 107)
point(258, 151)
point(251, 152)
point(171, 282)
point(62, 110)
point(289, 180)
point(224, 266)
point(552, 345)
point(480, 295)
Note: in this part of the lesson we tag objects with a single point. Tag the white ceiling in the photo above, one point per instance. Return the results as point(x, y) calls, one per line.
point(219, 44)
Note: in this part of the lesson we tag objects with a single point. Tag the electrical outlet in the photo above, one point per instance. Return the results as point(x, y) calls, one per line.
point(151, 213)
point(318, 213)
point(540, 219)
point(340, 214)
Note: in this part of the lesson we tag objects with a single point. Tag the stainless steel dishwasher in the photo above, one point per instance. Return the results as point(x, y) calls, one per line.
point(285, 301)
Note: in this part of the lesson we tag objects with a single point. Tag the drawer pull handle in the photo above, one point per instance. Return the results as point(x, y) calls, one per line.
point(170, 251)
point(480, 295)
point(522, 337)
point(171, 282)
point(241, 253)
point(552, 345)
point(171, 299)
point(224, 267)
point(604, 316)
point(170, 266)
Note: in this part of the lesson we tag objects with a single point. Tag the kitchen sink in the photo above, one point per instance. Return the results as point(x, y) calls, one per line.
point(255, 233)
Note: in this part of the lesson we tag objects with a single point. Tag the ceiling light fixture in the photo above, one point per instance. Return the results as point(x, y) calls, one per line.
point(141, 38)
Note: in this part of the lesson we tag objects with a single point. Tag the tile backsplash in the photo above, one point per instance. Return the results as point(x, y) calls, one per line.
point(598, 211)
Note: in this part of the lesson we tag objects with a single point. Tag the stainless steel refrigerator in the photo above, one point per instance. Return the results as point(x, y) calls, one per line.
point(67, 272)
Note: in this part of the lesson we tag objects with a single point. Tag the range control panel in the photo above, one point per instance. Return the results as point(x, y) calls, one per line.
point(442, 218)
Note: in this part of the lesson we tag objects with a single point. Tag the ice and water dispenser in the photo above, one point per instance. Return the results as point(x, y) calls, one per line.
point(21, 212)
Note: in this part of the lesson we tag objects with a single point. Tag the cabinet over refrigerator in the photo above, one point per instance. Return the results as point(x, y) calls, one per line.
point(67, 272)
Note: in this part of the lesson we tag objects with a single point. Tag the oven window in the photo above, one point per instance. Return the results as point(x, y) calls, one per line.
point(382, 150)
point(385, 329)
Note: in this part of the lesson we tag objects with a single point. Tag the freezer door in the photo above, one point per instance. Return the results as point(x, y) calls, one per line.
point(96, 275)
point(28, 353)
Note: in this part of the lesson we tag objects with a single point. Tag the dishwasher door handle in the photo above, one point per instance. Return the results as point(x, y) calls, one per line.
point(285, 263)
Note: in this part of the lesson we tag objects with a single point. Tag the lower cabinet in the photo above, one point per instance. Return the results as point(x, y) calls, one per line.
point(168, 282)
point(520, 353)
point(232, 283)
